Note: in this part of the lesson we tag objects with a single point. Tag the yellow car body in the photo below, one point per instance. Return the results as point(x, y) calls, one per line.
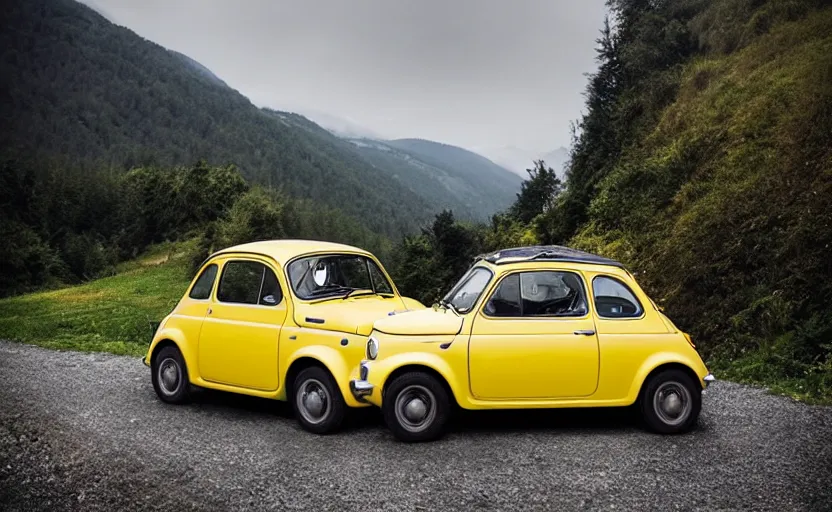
point(593, 355)
point(228, 343)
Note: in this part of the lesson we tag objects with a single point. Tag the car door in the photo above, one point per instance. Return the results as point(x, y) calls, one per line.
point(192, 308)
point(534, 339)
point(238, 345)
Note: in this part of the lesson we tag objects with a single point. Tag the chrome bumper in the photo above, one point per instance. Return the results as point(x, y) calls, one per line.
point(708, 379)
point(360, 389)
point(144, 360)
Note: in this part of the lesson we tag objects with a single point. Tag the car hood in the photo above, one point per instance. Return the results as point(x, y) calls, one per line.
point(354, 315)
point(421, 322)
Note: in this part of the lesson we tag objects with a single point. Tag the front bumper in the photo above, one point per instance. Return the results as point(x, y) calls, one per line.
point(361, 389)
point(144, 360)
point(708, 379)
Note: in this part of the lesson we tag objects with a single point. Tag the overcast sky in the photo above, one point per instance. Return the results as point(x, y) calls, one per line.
point(475, 73)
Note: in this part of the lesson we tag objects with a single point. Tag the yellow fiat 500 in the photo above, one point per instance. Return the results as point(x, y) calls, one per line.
point(532, 327)
point(283, 319)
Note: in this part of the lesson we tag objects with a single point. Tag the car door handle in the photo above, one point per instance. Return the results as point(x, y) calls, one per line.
point(210, 311)
point(585, 332)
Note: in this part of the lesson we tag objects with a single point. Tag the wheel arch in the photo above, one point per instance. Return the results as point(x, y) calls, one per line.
point(423, 368)
point(165, 342)
point(297, 366)
point(669, 366)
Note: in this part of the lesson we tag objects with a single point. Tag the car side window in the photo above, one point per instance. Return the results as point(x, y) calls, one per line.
point(505, 301)
point(202, 288)
point(613, 299)
point(538, 294)
point(249, 282)
point(270, 292)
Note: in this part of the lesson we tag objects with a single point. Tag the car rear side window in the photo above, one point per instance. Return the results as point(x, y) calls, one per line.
point(249, 282)
point(204, 284)
point(538, 294)
point(613, 299)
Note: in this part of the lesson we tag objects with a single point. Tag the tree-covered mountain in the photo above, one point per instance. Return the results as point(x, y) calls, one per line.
point(207, 73)
point(78, 90)
point(444, 176)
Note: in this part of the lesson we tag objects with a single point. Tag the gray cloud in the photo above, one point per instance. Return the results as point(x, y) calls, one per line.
point(476, 73)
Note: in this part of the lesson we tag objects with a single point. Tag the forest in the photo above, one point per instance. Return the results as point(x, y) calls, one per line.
point(64, 227)
point(703, 162)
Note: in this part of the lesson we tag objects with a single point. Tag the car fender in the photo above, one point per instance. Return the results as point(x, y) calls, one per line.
point(188, 350)
point(334, 362)
point(384, 368)
point(659, 359)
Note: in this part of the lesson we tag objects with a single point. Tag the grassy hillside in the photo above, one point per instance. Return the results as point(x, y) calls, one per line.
point(110, 314)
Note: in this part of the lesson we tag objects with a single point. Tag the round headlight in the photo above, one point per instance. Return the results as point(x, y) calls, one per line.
point(372, 348)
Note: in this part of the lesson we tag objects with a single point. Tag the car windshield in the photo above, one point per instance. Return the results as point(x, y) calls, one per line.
point(465, 293)
point(331, 275)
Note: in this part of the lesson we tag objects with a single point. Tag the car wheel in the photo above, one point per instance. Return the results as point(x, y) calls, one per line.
point(317, 401)
point(416, 407)
point(170, 376)
point(670, 402)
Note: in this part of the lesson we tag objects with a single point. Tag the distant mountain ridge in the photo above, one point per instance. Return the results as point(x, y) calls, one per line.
point(474, 186)
point(202, 70)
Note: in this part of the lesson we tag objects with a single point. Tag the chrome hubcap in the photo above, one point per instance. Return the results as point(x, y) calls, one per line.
point(313, 401)
point(415, 408)
point(168, 374)
point(672, 403)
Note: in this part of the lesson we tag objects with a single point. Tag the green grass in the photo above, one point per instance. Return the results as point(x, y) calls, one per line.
point(112, 314)
point(811, 383)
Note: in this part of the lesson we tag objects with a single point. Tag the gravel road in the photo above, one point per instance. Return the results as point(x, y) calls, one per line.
point(86, 432)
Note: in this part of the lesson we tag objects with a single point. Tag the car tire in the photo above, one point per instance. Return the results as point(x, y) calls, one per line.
point(170, 376)
point(317, 401)
point(416, 407)
point(670, 402)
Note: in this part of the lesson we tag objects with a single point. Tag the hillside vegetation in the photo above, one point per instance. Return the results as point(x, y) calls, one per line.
point(704, 162)
point(66, 226)
point(111, 314)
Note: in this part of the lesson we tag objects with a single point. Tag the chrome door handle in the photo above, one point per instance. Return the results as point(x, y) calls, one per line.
point(585, 332)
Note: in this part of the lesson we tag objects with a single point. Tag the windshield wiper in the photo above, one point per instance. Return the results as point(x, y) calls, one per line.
point(364, 291)
point(447, 305)
point(329, 292)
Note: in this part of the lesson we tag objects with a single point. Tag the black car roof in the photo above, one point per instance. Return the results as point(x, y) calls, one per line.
point(546, 253)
